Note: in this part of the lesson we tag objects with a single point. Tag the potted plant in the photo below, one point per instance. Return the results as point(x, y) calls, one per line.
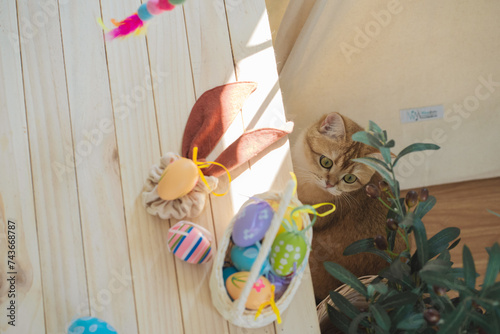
point(419, 291)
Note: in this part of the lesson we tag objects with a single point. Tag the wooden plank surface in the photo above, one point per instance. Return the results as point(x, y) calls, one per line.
point(52, 160)
point(99, 115)
point(18, 238)
point(153, 269)
point(98, 174)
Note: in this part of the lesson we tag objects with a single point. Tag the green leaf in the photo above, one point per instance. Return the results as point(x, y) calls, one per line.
point(346, 277)
point(414, 321)
point(373, 127)
point(424, 207)
point(438, 266)
point(445, 256)
point(493, 265)
point(444, 236)
point(379, 166)
point(434, 278)
point(401, 312)
point(380, 316)
point(338, 319)
point(368, 139)
point(359, 246)
point(377, 287)
point(415, 148)
point(386, 154)
point(469, 268)
point(480, 320)
point(399, 300)
point(365, 245)
point(492, 292)
point(404, 281)
point(343, 304)
point(454, 244)
point(384, 135)
point(421, 241)
point(353, 327)
point(390, 144)
point(453, 321)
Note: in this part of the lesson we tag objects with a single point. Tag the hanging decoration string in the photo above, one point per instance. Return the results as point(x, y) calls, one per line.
point(206, 164)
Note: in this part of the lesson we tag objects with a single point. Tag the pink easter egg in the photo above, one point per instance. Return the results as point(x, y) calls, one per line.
point(190, 242)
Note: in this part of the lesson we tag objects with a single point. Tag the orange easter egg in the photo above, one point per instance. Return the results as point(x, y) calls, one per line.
point(260, 293)
point(178, 179)
point(296, 216)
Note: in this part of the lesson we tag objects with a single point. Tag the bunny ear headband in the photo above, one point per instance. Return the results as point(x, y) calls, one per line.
point(178, 187)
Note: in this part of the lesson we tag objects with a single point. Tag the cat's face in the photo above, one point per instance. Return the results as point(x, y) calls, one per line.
point(323, 157)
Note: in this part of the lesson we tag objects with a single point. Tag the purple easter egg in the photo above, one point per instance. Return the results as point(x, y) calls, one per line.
point(252, 223)
point(280, 283)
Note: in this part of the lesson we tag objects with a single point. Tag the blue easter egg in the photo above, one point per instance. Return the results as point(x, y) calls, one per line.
point(244, 257)
point(90, 325)
point(228, 271)
point(252, 223)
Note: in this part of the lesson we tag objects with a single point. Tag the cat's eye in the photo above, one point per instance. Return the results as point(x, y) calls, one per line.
point(325, 162)
point(349, 178)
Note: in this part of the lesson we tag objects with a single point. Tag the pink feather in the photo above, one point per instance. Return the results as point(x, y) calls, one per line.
point(126, 27)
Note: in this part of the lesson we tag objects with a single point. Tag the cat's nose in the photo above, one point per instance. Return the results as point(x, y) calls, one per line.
point(329, 185)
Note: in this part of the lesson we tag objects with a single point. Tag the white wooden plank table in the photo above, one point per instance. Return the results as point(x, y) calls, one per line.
point(81, 123)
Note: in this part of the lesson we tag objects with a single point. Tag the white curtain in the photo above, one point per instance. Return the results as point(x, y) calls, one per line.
point(370, 59)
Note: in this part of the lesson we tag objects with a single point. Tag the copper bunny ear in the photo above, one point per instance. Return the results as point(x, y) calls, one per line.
point(212, 115)
point(246, 147)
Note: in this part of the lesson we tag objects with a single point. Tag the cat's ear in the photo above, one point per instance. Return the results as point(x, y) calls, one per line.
point(333, 126)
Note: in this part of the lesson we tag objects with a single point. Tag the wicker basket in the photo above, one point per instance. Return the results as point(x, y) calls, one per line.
point(351, 295)
point(234, 311)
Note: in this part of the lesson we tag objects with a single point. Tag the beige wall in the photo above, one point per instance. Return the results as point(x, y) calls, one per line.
point(409, 54)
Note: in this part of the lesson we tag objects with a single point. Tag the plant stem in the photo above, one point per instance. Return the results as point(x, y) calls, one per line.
point(387, 206)
point(396, 192)
point(405, 238)
point(394, 255)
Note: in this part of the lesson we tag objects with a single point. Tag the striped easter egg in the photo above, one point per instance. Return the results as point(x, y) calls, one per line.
point(190, 242)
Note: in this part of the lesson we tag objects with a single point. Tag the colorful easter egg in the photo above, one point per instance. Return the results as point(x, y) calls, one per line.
point(252, 223)
point(190, 242)
point(178, 179)
point(280, 283)
point(90, 325)
point(260, 293)
point(244, 257)
point(288, 216)
point(288, 248)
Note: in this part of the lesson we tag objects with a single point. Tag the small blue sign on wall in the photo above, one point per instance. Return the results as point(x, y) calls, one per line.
point(421, 114)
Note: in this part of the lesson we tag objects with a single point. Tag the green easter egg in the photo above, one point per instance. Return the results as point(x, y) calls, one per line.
point(288, 248)
point(176, 2)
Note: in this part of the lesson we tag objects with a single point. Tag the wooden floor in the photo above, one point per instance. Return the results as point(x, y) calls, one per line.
point(81, 123)
point(464, 205)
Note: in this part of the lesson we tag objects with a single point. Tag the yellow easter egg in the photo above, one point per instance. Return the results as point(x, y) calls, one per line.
point(260, 293)
point(178, 179)
point(297, 217)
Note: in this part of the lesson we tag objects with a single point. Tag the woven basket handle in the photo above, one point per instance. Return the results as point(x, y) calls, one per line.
point(239, 304)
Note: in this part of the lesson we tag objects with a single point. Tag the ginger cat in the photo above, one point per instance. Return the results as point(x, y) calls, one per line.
point(322, 161)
